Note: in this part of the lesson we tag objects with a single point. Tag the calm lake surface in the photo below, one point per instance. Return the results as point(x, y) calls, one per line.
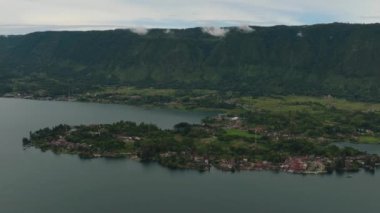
point(33, 181)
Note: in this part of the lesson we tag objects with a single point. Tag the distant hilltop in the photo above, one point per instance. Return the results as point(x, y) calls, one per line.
point(338, 59)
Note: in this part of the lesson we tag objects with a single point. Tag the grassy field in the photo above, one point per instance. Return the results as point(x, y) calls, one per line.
point(130, 91)
point(299, 103)
point(239, 133)
point(272, 103)
point(127, 91)
point(369, 139)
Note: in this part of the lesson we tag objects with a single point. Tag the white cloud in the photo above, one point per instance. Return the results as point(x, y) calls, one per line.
point(139, 30)
point(215, 31)
point(245, 28)
point(184, 13)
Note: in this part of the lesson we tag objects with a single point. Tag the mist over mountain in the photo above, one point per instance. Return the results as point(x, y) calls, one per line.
point(342, 60)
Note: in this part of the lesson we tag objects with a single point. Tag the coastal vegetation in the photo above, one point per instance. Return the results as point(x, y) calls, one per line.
point(282, 133)
point(296, 142)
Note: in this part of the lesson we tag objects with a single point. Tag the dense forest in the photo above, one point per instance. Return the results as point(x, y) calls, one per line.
point(341, 60)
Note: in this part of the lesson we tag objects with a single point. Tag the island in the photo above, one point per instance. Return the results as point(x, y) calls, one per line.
point(300, 141)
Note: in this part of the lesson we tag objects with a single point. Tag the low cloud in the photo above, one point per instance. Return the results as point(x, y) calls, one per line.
point(300, 34)
point(139, 30)
point(246, 29)
point(182, 14)
point(215, 31)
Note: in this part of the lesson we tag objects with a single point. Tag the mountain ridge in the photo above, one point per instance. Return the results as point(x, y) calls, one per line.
point(337, 59)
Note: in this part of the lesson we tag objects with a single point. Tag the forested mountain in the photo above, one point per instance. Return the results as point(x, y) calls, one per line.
point(338, 59)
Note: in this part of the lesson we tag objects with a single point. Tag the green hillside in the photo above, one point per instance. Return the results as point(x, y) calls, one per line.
point(338, 59)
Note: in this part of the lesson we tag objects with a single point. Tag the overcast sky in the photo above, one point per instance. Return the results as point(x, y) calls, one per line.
point(22, 16)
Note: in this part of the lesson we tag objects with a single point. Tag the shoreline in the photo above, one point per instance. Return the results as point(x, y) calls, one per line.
point(275, 168)
point(144, 106)
point(235, 129)
point(175, 150)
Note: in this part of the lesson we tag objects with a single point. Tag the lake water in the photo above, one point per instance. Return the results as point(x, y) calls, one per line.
point(369, 148)
point(33, 181)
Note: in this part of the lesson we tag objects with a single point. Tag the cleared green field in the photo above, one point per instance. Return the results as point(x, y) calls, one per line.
point(272, 103)
point(298, 103)
point(239, 133)
point(369, 139)
point(128, 91)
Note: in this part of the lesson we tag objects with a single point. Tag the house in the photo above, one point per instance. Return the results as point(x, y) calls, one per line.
point(234, 118)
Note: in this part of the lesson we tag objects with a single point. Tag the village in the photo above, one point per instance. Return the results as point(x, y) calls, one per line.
point(244, 148)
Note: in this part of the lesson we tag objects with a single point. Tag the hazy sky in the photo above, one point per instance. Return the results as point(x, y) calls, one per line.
point(21, 16)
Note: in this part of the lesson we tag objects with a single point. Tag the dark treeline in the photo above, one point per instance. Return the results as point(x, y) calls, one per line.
point(337, 59)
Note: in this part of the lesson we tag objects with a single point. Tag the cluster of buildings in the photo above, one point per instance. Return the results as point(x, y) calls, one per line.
point(305, 165)
point(295, 165)
point(129, 139)
point(63, 143)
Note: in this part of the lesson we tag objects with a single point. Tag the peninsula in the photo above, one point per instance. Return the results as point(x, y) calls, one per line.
point(296, 142)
